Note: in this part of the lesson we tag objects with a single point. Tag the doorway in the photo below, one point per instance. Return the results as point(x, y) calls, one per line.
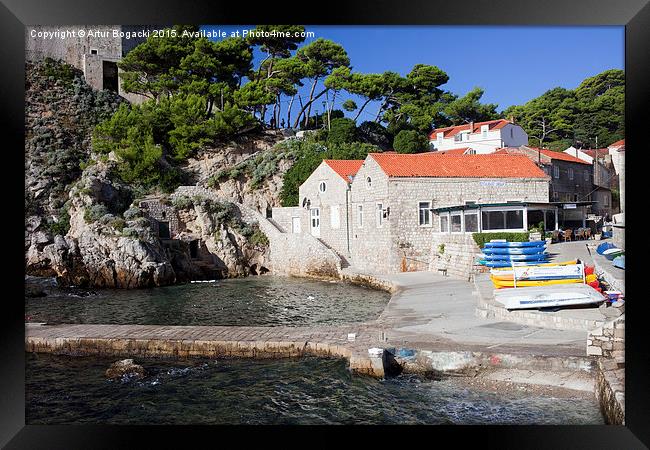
point(315, 221)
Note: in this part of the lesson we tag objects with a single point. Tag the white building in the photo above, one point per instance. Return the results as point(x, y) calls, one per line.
point(479, 137)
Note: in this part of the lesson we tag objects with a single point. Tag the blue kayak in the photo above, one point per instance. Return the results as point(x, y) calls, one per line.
point(514, 250)
point(604, 246)
point(514, 244)
point(537, 257)
point(497, 264)
point(619, 262)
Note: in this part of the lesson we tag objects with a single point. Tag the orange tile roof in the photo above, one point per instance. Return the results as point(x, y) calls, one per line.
point(595, 151)
point(450, 131)
point(620, 143)
point(559, 155)
point(346, 168)
point(454, 151)
point(431, 164)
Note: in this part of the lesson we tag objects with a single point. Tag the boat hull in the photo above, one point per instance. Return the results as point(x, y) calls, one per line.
point(548, 297)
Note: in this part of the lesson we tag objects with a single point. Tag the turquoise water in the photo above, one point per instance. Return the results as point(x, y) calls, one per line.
point(309, 390)
point(252, 301)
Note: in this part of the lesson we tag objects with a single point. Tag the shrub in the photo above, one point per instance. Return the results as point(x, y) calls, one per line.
point(410, 141)
point(117, 223)
point(132, 213)
point(258, 238)
point(182, 202)
point(62, 225)
point(482, 238)
point(342, 130)
point(130, 232)
point(94, 213)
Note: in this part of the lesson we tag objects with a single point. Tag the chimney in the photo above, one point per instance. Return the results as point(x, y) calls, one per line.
point(471, 126)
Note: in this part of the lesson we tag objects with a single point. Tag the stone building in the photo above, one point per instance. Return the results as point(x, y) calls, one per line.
point(395, 206)
point(571, 183)
point(96, 53)
point(325, 205)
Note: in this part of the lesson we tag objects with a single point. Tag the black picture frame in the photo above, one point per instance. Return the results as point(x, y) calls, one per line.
point(633, 14)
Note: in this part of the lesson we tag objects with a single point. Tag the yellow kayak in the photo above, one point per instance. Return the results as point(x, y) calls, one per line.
point(524, 283)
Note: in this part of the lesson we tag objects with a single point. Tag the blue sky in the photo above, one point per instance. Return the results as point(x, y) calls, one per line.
point(512, 64)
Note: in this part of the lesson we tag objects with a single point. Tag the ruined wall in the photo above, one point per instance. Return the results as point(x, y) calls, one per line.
point(162, 212)
point(608, 340)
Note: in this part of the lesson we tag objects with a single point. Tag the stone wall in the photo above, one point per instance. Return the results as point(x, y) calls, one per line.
point(608, 340)
point(160, 211)
point(618, 235)
point(283, 217)
point(290, 254)
point(453, 253)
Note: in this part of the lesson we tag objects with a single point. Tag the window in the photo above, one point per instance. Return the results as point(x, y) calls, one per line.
point(335, 216)
point(444, 223)
point(512, 133)
point(470, 151)
point(503, 220)
point(556, 172)
point(456, 221)
point(368, 182)
point(440, 138)
point(424, 214)
point(606, 200)
point(380, 215)
point(360, 216)
point(93, 51)
point(570, 174)
point(322, 186)
point(484, 131)
point(458, 137)
point(493, 220)
point(514, 219)
point(471, 222)
point(586, 175)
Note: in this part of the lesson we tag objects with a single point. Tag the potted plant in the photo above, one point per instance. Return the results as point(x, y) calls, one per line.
point(549, 237)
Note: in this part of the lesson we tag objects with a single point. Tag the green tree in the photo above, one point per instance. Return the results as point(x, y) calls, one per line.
point(410, 141)
point(319, 59)
point(469, 109)
point(349, 105)
point(151, 68)
point(342, 130)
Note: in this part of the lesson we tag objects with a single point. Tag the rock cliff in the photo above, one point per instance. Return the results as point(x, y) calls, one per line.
point(82, 224)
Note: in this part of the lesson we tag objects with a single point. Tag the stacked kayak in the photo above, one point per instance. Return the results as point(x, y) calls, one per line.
point(619, 262)
point(612, 253)
point(548, 296)
point(503, 253)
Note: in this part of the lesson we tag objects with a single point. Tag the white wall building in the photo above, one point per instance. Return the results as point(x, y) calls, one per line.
point(480, 137)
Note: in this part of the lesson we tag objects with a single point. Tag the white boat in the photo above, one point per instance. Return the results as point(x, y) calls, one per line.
point(548, 296)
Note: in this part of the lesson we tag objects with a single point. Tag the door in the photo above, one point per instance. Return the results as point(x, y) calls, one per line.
point(315, 221)
point(295, 224)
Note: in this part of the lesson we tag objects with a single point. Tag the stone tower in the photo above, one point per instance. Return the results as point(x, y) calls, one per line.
point(94, 49)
